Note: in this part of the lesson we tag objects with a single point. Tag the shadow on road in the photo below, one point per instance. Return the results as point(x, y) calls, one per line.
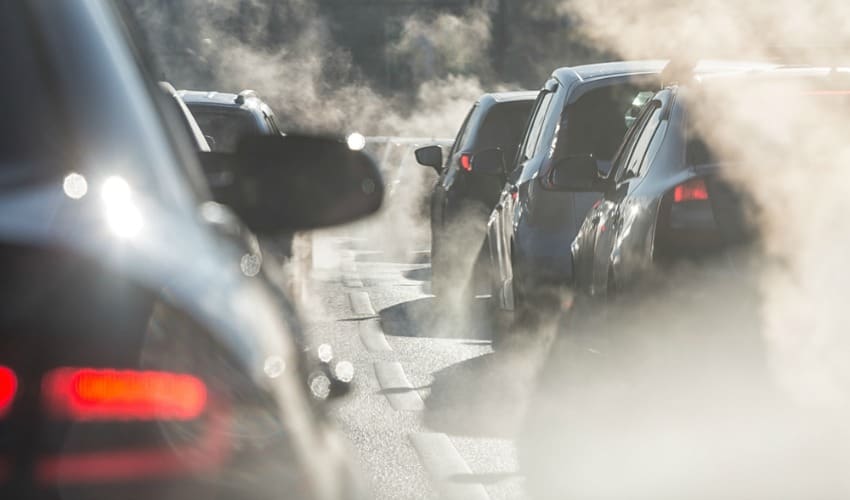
point(421, 274)
point(487, 395)
point(433, 318)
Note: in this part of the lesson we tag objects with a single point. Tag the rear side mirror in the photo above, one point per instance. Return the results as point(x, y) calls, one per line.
point(430, 156)
point(488, 162)
point(290, 183)
point(575, 173)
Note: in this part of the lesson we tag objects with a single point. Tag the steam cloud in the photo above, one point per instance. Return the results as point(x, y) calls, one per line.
point(716, 385)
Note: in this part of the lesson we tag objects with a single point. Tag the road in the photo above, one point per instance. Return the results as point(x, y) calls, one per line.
point(434, 410)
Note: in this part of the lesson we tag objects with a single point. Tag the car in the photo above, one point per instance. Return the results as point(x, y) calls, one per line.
point(468, 186)
point(142, 355)
point(580, 110)
point(666, 200)
point(225, 117)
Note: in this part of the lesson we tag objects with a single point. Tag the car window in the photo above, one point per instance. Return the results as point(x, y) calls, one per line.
point(624, 153)
point(596, 123)
point(463, 132)
point(503, 127)
point(535, 126)
point(644, 139)
point(271, 123)
point(225, 126)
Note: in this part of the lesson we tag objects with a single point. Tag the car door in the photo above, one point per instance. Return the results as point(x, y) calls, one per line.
point(614, 213)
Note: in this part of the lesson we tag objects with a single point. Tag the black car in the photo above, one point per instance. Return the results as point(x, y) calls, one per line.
point(580, 110)
point(469, 184)
point(225, 117)
point(142, 356)
point(666, 199)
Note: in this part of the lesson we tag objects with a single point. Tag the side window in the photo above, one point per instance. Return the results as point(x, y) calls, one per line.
point(463, 132)
point(535, 126)
point(644, 139)
point(270, 123)
point(621, 160)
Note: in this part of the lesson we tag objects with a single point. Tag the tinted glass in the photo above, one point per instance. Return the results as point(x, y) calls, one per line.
point(225, 126)
point(535, 127)
point(503, 127)
point(463, 132)
point(596, 123)
point(625, 151)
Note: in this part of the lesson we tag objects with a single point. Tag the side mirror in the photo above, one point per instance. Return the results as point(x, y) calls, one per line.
point(488, 162)
point(575, 173)
point(290, 183)
point(430, 156)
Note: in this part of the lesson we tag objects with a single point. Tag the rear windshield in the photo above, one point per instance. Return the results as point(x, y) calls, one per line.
point(503, 127)
point(597, 122)
point(225, 125)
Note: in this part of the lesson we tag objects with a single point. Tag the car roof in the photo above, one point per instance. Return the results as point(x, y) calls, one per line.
point(614, 69)
point(782, 73)
point(517, 95)
point(608, 70)
point(248, 100)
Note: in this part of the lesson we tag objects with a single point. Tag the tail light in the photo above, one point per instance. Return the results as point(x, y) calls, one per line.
point(466, 162)
point(88, 394)
point(692, 190)
point(8, 388)
point(199, 439)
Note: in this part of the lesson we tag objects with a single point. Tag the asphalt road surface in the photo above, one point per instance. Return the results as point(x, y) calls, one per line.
point(434, 410)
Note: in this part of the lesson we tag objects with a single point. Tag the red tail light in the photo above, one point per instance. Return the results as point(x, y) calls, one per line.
point(692, 190)
point(102, 394)
point(466, 162)
point(8, 388)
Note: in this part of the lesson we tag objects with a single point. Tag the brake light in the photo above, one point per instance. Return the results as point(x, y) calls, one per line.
point(8, 388)
point(466, 162)
point(692, 190)
point(103, 394)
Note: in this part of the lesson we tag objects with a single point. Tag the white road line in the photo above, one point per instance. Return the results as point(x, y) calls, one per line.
point(400, 393)
point(444, 464)
point(360, 303)
point(372, 336)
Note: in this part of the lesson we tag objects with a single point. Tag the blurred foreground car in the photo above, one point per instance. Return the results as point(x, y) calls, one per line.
point(227, 117)
point(469, 184)
point(580, 111)
point(143, 356)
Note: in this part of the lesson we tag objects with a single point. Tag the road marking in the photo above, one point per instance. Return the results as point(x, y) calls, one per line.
point(398, 389)
point(372, 336)
point(443, 462)
point(360, 303)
